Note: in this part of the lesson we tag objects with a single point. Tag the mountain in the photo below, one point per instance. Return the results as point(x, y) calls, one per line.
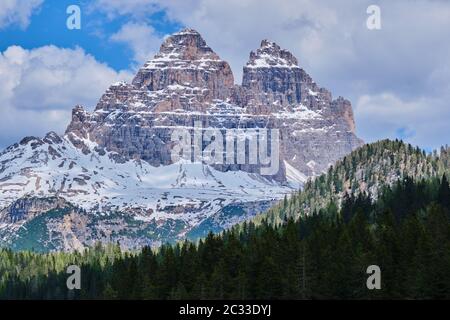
point(113, 177)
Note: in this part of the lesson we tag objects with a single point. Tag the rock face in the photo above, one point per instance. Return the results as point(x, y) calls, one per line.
point(27, 208)
point(187, 82)
point(117, 159)
point(185, 59)
point(275, 72)
point(316, 130)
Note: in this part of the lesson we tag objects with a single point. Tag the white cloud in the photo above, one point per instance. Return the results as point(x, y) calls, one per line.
point(17, 12)
point(422, 121)
point(141, 38)
point(39, 87)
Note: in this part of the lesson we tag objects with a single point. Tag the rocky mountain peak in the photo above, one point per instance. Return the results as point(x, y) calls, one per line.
point(186, 82)
point(271, 55)
point(274, 72)
point(187, 44)
point(186, 61)
point(52, 137)
point(79, 117)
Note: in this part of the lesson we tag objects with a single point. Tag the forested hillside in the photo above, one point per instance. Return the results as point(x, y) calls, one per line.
point(366, 170)
point(406, 232)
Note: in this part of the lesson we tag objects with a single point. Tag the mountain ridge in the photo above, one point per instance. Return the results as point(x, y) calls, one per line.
point(365, 172)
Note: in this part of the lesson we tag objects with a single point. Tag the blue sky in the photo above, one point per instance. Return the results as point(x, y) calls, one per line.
point(397, 78)
point(48, 26)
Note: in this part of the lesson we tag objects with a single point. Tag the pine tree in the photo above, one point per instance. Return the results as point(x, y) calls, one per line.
point(444, 192)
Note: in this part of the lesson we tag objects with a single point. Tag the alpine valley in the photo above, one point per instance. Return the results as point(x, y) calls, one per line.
point(110, 177)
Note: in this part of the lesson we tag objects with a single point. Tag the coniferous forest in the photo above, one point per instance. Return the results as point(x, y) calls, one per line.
point(322, 255)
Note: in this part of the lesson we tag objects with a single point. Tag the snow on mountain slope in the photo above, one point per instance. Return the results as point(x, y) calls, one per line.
point(54, 166)
point(293, 175)
point(177, 197)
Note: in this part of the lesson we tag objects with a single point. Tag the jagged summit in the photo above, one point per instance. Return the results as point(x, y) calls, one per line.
point(185, 60)
point(271, 55)
point(275, 71)
point(186, 81)
point(186, 31)
point(187, 44)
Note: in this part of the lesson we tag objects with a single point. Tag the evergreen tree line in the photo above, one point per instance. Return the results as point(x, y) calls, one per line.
point(323, 255)
point(365, 170)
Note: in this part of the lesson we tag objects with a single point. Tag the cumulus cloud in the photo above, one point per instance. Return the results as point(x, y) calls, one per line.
point(421, 121)
point(39, 87)
point(17, 12)
point(141, 38)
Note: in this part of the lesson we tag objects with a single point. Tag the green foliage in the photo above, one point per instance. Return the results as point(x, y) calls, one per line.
point(368, 170)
